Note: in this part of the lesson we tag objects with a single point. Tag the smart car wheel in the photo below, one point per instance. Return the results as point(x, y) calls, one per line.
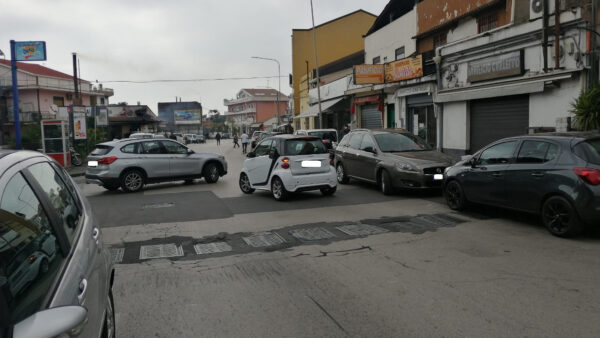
point(455, 197)
point(245, 184)
point(109, 329)
point(386, 183)
point(560, 218)
point(328, 191)
point(341, 174)
point(278, 189)
point(211, 173)
point(132, 181)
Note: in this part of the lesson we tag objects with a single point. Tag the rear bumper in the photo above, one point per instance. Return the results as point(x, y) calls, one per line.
point(100, 180)
point(589, 209)
point(296, 183)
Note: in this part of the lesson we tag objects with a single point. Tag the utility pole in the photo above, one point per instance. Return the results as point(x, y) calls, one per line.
point(278, 80)
point(15, 91)
point(316, 64)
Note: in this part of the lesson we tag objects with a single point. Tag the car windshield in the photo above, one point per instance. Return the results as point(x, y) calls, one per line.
point(400, 142)
point(324, 134)
point(304, 147)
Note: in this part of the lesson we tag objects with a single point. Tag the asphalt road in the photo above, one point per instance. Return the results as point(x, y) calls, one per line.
point(357, 264)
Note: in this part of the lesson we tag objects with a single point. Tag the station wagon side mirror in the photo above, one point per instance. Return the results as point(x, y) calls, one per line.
point(53, 322)
point(370, 150)
point(190, 151)
point(251, 154)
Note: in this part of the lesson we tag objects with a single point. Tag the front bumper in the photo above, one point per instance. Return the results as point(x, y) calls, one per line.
point(296, 183)
point(414, 180)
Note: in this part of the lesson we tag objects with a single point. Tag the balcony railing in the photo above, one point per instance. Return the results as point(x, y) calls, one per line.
point(33, 116)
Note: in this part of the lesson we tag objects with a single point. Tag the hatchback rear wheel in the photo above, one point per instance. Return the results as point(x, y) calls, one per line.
point(560, 217)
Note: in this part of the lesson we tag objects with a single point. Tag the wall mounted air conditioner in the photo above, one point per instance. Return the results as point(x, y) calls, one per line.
point(536, 8)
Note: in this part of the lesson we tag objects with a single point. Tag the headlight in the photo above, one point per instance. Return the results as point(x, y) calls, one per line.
point(406, 167)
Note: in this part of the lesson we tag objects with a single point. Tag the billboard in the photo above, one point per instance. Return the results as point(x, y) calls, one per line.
point(80, 126)
point(368, 74)
point(102, 117)
point(404, 69)
point(187, 116)
point(30, 50)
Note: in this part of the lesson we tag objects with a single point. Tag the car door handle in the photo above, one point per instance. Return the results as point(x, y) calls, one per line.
point(537, 174)
point(83, 287)
point(497, 174)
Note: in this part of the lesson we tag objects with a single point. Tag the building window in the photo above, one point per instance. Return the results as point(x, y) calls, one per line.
point(58, 101)
point(439, 40)
point(487, 22)
point(102, 101)
point(400, 53)
point(376, 60)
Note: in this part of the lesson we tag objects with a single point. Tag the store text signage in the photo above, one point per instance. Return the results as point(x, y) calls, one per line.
point(507, 64)
point(368, 74)
point(404, 69)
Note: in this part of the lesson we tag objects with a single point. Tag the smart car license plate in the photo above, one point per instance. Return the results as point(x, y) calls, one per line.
point(311, 164)
point(92, 163)
point(438, 177)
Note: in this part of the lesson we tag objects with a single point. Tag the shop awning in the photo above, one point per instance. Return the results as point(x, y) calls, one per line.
point(501, 88)
point(314, 109)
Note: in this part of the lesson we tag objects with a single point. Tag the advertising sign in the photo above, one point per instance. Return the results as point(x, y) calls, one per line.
point(188, 116)
point(102, 117)
point(503, 65)
point(80, 126)
point(368, 74)
point(30, 50)
point(404, 69)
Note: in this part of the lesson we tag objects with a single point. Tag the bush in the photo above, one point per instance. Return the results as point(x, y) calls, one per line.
point(586, 109)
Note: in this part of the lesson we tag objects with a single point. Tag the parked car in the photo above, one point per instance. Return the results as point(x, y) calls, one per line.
point(556, 175)
point(201, 138)
point(179, 137)
point(190, 138)
point(329, 136)
point(141, 135)
point(392, 159)
point(55, 275)
point(287, 163)
point(130, 164)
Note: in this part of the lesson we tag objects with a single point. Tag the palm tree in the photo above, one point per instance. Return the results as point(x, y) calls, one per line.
point(586, 109)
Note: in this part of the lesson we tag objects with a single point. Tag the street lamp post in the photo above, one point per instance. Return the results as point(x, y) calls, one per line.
point(278, 81)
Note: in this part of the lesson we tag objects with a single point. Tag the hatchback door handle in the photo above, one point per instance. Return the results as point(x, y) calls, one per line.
point(497, 174)
point(537, 174)
point(83, 285)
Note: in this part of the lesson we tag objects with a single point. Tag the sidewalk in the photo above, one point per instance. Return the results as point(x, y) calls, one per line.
point(76, 171)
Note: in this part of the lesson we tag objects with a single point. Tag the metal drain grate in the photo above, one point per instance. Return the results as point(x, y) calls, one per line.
point(264, 239)
point(210, 248)
point(116, 254)
point(160, 251)
point(312, 234)
point(361, 229)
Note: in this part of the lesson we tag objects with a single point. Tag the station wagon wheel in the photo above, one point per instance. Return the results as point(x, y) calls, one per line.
point(245, 184)
point(455, 197)
point(132, 181)
point(341, 174)
point(386, 183)
point(560, 218)
point(278, 189)
point(211, 173)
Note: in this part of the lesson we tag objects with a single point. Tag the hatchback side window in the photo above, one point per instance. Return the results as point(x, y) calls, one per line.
point(355, 141)
point(536, 152)
point(153, 148)
point(498, 154)
point(174, 148)
point(59, 195)
point(263, 148)
point(30, 256)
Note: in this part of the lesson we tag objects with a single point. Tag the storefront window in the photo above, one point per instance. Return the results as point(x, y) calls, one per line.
point(424, 124)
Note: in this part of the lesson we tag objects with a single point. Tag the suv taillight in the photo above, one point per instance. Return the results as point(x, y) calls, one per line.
point(107, 160)
point(589, 175)
point(285, 164)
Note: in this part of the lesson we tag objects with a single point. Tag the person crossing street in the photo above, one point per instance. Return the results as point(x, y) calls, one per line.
point(235, 141)
point(244, 143)
point(218, 138)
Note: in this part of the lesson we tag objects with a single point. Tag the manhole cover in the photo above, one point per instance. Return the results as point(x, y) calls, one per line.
point(116, 254)
point(312, 234)
point(160, 251)
point(157, 205)
point(264, 239)
point(360, 229)
point(209, 248)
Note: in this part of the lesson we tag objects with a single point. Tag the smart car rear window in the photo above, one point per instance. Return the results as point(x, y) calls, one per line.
point(304, 147)
point(101, 150)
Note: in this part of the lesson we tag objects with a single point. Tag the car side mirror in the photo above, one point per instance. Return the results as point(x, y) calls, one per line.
point(251, 154)
point(190, 151)
point(52, 322)
point(370, 150)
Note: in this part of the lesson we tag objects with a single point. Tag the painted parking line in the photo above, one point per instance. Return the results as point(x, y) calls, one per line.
point(210, 248)
point(160, 251)
point(264, 239)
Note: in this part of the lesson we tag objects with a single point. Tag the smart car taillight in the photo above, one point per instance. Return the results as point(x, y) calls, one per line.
point(286, 163)
point(589, 175)
point(107, 160)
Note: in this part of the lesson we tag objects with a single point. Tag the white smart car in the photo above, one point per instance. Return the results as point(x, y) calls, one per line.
point(289, 163)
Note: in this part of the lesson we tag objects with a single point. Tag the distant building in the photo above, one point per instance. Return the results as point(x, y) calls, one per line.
point(181, 117)
point(124, 120)
point(253, 107)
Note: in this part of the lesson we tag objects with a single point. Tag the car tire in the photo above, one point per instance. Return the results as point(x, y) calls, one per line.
point(110, 187)
point(211, 173)
point(328, 191)
point(109, 328)
point(132, 181)
point(455, 196)
point(385, 183)
point(560, 217)
point(341, 174)
point(245, 184)
point(278, 189)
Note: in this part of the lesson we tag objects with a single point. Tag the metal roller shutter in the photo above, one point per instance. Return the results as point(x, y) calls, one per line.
point(371, 117)
point(496, 118)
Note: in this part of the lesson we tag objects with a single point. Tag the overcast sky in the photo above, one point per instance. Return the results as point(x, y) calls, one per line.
point(178, 39)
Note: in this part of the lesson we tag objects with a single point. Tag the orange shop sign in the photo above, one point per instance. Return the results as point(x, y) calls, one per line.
point(404, 69)
point(368, 74)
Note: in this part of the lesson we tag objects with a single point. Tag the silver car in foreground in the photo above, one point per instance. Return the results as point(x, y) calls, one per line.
point(130, 164)
point(55, 275)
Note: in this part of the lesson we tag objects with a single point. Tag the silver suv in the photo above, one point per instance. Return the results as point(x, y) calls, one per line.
point(130, 164)
point(55, 275)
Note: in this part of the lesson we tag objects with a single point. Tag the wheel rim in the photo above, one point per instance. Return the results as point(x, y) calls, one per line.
point(453, 195)
point(110, 323)
point(133, 181)
point(557, 216)
point(277, 189)
point(214, 173)
point(340, 173)
point(244, 183)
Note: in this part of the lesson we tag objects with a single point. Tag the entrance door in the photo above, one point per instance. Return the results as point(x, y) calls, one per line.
point(371, 117)
point(391, 116)
point(424, 124)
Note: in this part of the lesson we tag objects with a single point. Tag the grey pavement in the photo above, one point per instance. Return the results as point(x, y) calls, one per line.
point(358, 264)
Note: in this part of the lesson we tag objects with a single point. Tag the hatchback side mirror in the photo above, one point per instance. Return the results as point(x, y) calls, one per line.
point(52, 322)
point(251, 154)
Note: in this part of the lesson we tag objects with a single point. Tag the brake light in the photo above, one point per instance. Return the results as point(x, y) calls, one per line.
point(589, 175)
point(286, 163)
point(107, 160)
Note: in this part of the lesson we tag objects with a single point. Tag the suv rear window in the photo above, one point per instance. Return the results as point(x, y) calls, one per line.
point(325, 135)
point(304, 147)
point(101, 150)
point(588, 150)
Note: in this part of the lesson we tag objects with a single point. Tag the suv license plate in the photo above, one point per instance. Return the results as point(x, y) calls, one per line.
point(92, 163)
point(438, 177)
point(311, 164)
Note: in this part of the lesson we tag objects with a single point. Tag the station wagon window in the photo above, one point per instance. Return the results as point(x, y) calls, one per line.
point(133, 148)
point(263, 148)
point(537, 152)
point(59, 195)
point(498, 154)
point(30, 257)
point(174, 148)
point(355, 141)
point(152, 148)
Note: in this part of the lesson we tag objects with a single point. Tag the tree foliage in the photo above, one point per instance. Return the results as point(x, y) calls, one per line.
point(586, 109)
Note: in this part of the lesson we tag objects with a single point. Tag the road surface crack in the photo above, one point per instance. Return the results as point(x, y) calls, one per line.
point(328, 315)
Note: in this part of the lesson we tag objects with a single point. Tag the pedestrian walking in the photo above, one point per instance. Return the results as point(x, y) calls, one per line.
point(218, 138)
point(235, 141)
point(244, 143)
